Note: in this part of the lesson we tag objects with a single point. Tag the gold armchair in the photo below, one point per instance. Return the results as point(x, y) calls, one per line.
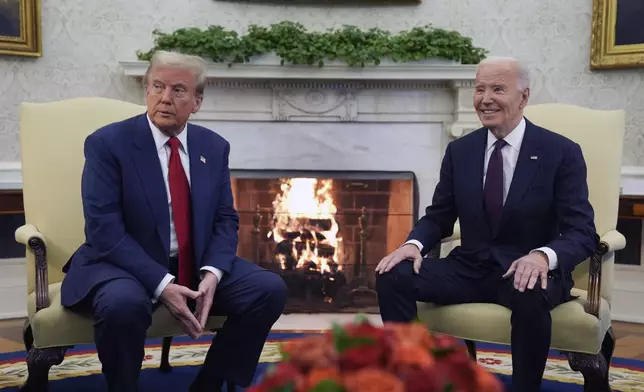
point(52, 137)
point(581, 328)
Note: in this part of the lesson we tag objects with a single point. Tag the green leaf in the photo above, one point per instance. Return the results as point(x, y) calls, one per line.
point(448, 387)
point(327, 386)
point(343, 341)
point(295, 45)
point(284, 355)
point(290, 387)
point(361, 319)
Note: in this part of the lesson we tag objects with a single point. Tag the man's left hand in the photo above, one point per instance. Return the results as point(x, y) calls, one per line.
point(207, 289)
point(528, 269)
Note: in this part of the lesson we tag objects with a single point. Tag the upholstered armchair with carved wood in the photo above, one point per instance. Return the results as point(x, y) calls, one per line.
point(52, 137)
point(580, 328)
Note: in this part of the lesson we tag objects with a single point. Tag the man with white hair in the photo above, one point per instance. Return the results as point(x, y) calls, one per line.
point(161, 229)
point(520, 194)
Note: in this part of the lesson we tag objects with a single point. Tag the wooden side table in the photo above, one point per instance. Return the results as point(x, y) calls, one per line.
point(630, 221)
point(11, 217)
point(11, 202)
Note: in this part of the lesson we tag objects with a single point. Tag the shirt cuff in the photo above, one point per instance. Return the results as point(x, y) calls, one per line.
point(552, 257)
point(166, 281)
point(218, 273)
point(415, 242)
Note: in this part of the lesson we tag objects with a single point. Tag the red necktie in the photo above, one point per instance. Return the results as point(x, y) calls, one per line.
point(182, 212)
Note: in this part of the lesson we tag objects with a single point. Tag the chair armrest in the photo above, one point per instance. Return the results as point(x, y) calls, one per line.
point(613, 240)
point(456, 235)
point(26, 232)
point(609, 242)
point(35, 242)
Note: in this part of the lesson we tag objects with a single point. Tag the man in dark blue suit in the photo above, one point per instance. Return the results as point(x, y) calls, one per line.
point(161, 228)
point(520, 194)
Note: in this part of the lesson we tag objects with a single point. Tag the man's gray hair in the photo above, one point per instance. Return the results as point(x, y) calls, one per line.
point(195, 64)
point(523, 76)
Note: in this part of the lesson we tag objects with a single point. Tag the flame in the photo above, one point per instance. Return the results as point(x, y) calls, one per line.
point(303, 209)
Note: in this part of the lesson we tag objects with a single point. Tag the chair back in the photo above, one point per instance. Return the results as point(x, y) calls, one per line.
point(52, 137)
point(600, 133)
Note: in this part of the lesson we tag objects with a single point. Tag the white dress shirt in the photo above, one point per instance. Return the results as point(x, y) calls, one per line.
point(510, 155)
point(163, 149)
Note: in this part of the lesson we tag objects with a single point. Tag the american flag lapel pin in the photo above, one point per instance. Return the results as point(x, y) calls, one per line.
point(202, 159)
point(534, 157)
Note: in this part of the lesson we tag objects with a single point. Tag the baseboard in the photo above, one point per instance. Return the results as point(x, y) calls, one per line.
point(625, 318)
point(13, 288)
point(13, 315)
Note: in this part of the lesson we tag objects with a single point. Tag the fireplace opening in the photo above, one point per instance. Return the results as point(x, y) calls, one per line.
point(324, 232)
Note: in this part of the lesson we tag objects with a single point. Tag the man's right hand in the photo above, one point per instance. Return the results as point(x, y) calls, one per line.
point(405, 252)
point(175, 298)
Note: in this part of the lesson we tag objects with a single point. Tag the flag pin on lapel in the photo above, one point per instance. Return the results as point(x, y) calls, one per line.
point(202, 159)
point(534, 157)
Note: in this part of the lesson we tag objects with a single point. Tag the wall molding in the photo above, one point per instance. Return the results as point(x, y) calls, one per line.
point(632, 182)
point(10, 175)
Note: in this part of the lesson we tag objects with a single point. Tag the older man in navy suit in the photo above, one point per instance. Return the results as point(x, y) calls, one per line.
point(161, 229)
point(521, 197)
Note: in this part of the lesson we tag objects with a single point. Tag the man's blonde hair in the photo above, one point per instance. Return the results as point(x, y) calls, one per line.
point(195, 64)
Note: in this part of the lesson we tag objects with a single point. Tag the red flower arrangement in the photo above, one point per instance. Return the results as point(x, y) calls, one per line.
point(361, 357)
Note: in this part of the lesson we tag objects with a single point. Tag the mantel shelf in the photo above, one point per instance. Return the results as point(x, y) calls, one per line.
point(384, 72)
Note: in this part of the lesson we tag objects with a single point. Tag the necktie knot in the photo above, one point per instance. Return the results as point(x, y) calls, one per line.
point(499, 144)
point(173, 142)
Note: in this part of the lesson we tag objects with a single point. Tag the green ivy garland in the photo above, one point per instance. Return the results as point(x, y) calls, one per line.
point(295, 45)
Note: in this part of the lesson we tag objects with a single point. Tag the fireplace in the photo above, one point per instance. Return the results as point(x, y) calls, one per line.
point(384, 123)
point(324, 232)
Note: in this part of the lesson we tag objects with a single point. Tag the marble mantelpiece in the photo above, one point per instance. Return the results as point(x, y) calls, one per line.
point(391, 117)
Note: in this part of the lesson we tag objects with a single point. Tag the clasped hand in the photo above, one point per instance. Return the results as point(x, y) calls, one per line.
point(175, 298)
point(527, 270)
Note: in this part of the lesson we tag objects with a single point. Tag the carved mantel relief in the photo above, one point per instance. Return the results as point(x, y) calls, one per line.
point(392, 93)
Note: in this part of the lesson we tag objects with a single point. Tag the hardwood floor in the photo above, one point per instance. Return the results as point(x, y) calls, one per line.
point(630, 338)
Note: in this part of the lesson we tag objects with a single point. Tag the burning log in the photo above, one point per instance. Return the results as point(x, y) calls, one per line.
point(321, 224)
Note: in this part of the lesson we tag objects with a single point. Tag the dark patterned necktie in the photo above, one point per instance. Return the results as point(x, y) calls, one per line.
point(493, 190)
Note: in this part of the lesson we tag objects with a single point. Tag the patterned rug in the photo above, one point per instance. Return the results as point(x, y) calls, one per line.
point(81, 370)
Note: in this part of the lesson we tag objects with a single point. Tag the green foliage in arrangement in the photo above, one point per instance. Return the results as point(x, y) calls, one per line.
point(295, 45)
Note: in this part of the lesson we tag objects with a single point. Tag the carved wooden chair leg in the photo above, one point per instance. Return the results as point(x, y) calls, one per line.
point(27, 336)
point(608, 346)
point(165, 367)
point(471, 348)
point(595, 368)
point(39, 361)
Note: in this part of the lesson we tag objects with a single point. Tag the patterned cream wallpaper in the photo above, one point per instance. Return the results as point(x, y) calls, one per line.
point(84, 40)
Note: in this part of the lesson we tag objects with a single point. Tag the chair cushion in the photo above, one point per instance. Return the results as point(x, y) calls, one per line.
point(572, 328)
point(57, 326)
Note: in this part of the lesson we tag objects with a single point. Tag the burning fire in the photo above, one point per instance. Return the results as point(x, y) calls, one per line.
point(304, 217)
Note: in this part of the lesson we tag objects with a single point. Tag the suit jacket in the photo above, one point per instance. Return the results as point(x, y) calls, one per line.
point(127, 222)
point(547, 203)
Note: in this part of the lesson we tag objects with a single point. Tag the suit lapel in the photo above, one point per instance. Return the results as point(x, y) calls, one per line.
point(477, 172)
point(200, 186)
point(146, 161)
point(527, 165)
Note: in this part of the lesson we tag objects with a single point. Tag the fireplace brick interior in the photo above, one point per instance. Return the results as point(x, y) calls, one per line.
point(384, 205)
